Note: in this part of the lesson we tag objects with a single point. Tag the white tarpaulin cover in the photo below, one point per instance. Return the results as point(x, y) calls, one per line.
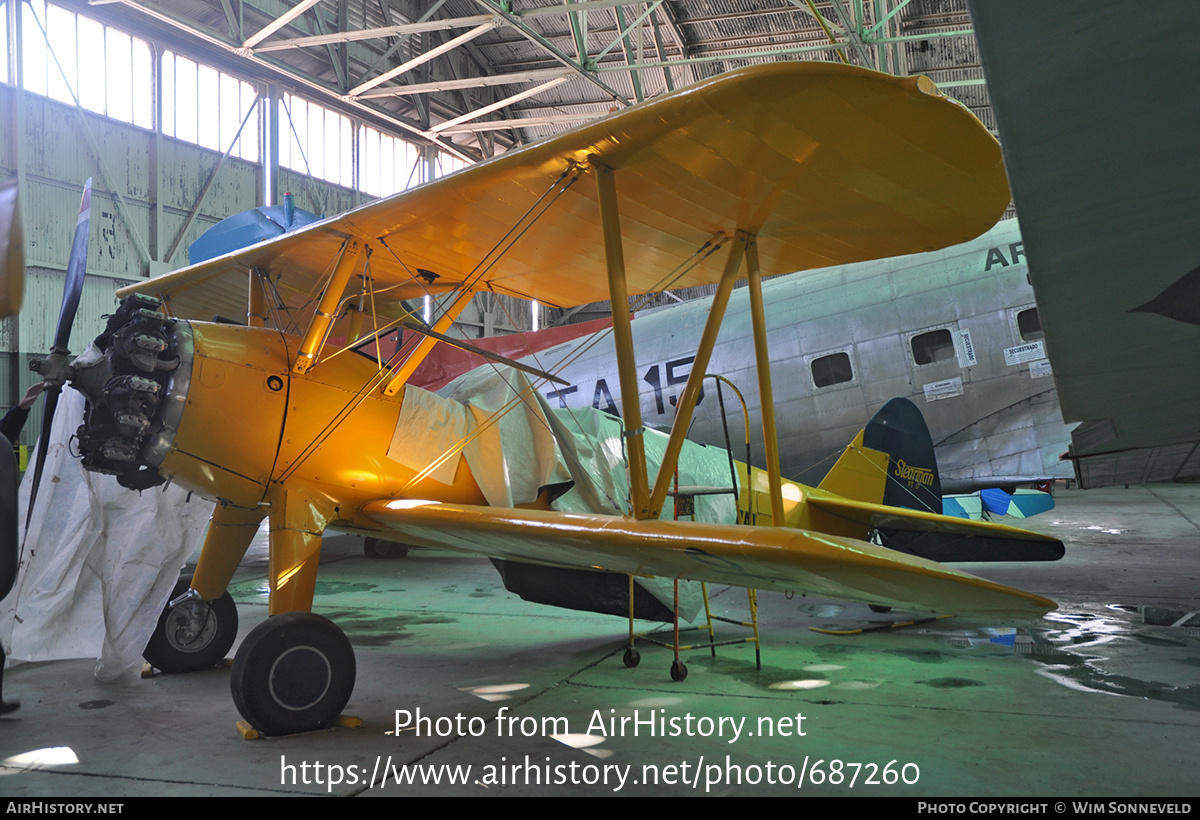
point(99, 560)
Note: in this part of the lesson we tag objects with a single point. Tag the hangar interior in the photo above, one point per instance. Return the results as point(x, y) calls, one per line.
point(186, 112)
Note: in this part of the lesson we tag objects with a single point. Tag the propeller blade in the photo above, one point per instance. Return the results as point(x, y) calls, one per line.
point(12, 252)
point(72, 290)
point(43, 444)
point(76, 268)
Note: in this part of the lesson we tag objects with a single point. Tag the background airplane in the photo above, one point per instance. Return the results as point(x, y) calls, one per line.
point(955, 330)
point(1099, 138)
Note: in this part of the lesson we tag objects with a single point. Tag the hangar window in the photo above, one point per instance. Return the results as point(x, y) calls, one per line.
point(316, 141)
point(832, 369)
point(1029, 325)
point(448, 164)
point(106, 70)
point(4, 50)
point(386, 164)
point(206, 107)
point(934, 346)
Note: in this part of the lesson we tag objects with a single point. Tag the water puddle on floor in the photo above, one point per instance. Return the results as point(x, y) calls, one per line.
point(1116, 650)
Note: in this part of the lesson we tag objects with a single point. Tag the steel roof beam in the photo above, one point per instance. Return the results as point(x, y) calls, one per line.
point(853, 35)
point(400, 41)
point(625, 30)
point(290, 74)
point(821, 20)
point(375, 33)
point(523, 122)
point(535, 37)
point(487, 109)
point(581, 6)
point(235, 31)
point(464, 83)
point(279, 22)
point(634, 77)
point(883, 21)
point(420, 59)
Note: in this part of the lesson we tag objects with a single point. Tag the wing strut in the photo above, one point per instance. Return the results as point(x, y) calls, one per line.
point(256, 301)
point(766, 396)
point(418, 355)
point(326, 311)
point(691, 391)
point(646, 504)
point(631, 409)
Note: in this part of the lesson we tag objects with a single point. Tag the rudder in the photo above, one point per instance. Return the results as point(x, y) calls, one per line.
point(890, 462)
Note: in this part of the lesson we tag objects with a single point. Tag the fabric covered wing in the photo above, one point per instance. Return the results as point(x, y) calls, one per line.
point(825, 163)
point(759, 557)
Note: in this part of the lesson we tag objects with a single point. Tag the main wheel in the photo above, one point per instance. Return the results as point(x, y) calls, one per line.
point(194, 635)
point(294, 672)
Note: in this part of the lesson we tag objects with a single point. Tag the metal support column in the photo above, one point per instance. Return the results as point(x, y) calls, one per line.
point(270, 166)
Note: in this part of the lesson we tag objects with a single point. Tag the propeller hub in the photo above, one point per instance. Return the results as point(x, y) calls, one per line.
point(55, 369)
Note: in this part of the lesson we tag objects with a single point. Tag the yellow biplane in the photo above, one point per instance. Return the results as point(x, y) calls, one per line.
point(773, 168)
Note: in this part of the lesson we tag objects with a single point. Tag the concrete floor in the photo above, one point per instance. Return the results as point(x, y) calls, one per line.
point(1091, 700)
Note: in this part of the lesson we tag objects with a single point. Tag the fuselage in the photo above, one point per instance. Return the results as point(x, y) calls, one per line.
point(954, 330)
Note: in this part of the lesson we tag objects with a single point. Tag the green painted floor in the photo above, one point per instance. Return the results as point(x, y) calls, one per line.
point(510, 698)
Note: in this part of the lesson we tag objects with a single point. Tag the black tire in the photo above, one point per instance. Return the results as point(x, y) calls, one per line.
point(193, 636)
point(378, 548)
point(880, 608)
point(678, 671)
point(632, 658)
point(293, 673)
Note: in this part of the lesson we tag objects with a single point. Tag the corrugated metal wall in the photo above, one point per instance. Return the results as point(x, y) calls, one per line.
point(160, 180)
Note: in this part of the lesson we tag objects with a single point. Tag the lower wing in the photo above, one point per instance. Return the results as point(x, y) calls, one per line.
point(773, 558)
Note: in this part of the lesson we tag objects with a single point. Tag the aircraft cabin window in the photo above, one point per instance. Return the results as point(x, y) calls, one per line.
point(832, 369)
point(934, 346)
point(1029, 325)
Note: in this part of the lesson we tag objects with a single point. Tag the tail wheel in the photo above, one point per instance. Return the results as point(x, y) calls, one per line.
point(293, 673)
point(194, 635)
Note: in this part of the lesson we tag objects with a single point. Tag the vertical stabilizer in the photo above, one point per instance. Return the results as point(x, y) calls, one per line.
point(890, 462)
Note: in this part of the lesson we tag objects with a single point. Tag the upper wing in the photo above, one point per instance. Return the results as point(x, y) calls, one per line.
point(1103, 160)
point(774, 558)
point(825, 163)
